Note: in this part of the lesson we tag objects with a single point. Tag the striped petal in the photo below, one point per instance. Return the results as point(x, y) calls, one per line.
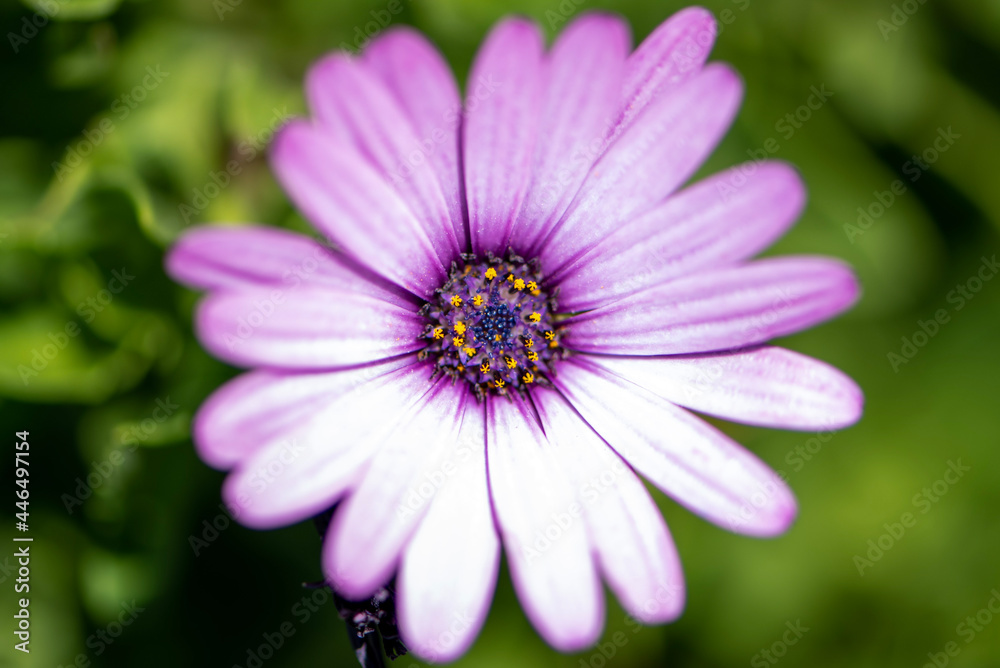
point(550, 562)
point(719, 309)
point(504, 99)
point(769, 387)
point(698, 466)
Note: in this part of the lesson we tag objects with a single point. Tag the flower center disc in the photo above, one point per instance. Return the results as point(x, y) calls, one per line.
point(492, 326)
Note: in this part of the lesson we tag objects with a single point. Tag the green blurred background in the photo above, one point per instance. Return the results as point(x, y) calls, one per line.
point(116, 113)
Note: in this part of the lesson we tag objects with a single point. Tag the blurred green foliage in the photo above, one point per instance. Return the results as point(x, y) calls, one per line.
point(117, 112)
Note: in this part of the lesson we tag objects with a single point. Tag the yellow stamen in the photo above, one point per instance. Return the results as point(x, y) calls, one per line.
point(499, 383)
point(519, 284)
point(510, 278)
point(532, 356)
point(491, 273)
point(470, 351)
point(438, 332)
point(460, 328)
point(550, 335)
point(535, 317)
point(532, 286)
point(509, 361)
point(485, 367)
point(477, 300)
point(458, 341)
point(553, 344)
point(528, 343)
point(527, 378)
point(456, 301)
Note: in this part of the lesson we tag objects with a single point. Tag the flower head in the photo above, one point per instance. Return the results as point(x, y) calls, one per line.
point(521, 306)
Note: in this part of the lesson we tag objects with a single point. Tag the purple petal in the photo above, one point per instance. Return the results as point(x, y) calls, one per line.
point(770, 387)
point(658, 152)
point(671, 55)
point(308, 327)
point(262, 406)
point(550, 563)
point(719, 309)
point(584, 80)
point(382, 132)
point(306, 472)
point(726, 218)
point(228, 257)
point(370, 530)
point(698, 466)
point(425, 88)
point(503, 105)
point(351, 203)
point(449, 568)
point(627, 531)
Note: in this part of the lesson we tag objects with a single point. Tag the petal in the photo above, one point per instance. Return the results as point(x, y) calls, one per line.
point(352, 204)
point(658, 152)
point(230, 257)
point(263, 406)
point(503, 107)
point(770, 387)
point(726, 218)
point(671, 55)
point(425, 88)
point(698, 466)
point(306, 472)
point(449, 569)
point(382, 132)
point(371, 528)
point(627, 531)
point(719, 309)
point(309, 327)
point(550, 563)
point(583, 85)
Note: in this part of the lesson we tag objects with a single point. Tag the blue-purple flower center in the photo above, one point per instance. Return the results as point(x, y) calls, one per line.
point(493, 326)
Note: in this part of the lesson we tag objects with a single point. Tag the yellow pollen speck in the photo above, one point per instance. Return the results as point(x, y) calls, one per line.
point(550, 335)
point(519, 284)
point(478, 300)
point(458, 341)
point(460, 328)
point(509, 361)
point(485, 367)
point(527, 378)
point(496, 338)
point(535, 317)
point(491, 273)
point(536, 292)
point(510, 278)
point(533, 356)
point(438, 333)
point(532, 286)
point(456, 300)
point(467, 269)
point(553, 344)
point(460, 368)
point(469, 351)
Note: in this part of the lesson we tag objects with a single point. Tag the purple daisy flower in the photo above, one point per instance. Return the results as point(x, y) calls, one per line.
point(520, 305)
